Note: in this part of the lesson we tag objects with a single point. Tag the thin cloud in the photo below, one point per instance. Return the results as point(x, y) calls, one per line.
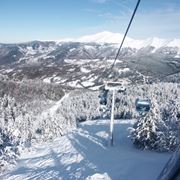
point(99, 1)
point(163, 23)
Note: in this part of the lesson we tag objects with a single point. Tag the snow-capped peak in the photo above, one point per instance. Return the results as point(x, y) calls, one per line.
point(155, 42)
point(174, 43)
point(103, 37)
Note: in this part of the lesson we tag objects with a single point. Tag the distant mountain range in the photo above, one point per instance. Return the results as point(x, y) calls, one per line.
point(152, 57)
point(109, 37)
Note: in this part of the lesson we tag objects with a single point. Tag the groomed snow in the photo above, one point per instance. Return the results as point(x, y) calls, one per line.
point(84, 154)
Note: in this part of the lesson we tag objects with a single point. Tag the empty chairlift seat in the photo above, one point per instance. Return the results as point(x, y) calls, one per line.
point(103, 96)
point(143, 105)
point(115, 86)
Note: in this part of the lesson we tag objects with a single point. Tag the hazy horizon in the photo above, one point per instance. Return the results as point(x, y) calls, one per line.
point(77, 39)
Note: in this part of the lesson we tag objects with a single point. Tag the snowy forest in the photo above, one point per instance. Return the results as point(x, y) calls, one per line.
point(35, 111)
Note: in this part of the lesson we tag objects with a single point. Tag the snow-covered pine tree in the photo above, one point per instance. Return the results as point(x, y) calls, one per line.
point(171, 118)
point(11, 132)
point(144, 131)
point(151, 132)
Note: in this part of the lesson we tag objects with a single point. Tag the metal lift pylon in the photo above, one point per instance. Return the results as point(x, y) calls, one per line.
point(113, 87)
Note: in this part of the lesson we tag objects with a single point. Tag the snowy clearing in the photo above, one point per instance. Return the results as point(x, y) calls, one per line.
point(123, 70)
point(47, 80)
point(87, 83)
point(79, 61)
point(85, 70)
point(84, 154)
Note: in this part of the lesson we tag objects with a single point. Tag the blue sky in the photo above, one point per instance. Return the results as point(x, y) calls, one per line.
point(26, 20)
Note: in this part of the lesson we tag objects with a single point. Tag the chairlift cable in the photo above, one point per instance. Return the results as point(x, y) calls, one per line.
point(120, 47)
point(170, 74)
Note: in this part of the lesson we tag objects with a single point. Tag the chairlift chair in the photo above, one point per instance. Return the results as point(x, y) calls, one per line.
point(143, 105)
point(118, 86)
point(103, 95)
point(110, 86)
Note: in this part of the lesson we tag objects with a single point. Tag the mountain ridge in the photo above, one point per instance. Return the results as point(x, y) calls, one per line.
point(116, 38)
point(113, 38)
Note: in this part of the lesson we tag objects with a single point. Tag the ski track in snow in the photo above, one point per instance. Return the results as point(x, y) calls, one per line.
point(84, 154)
point(54, 108)
point(57, 105)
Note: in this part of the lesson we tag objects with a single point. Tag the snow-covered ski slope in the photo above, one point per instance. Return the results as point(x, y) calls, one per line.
point(84, 154)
